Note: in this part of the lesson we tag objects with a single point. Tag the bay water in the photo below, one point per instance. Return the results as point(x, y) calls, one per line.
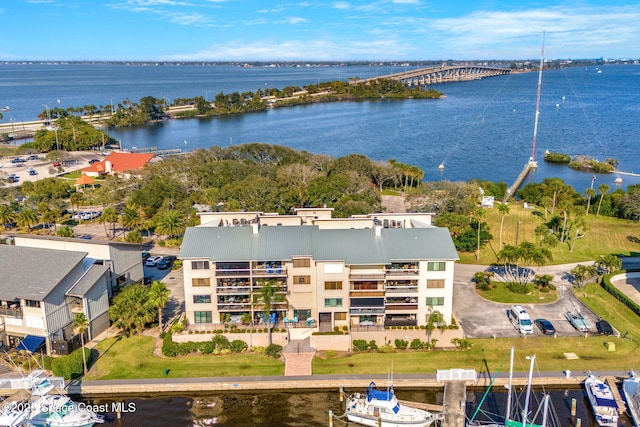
point(482, 129)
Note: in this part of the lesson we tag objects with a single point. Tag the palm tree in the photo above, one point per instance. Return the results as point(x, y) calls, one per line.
point(504, 211)
point(268, 295)
point(590, 192)
point(131, 218)
point(109, 215)
point(603, 188)
point(159, 296)
point(80, 325)
point(27, 218)
point(7, 215)
point(170, 223)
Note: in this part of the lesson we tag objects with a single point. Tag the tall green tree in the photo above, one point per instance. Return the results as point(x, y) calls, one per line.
point(268, 295)
point(7, 215)
point(26, 218)
point(80, 326)
point(170, 223)
point(503, 209)
point(109, 216)
point(519, 260)
point(603, 188)
point(159, 297)
point(590, 192)
point(131, 310)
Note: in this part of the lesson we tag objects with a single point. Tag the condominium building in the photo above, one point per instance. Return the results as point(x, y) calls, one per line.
point(41, 291)
point(330, 273)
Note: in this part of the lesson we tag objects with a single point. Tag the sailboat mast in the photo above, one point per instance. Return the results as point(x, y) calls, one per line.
point(525, 412)
point(535, 126)
point(509, 395)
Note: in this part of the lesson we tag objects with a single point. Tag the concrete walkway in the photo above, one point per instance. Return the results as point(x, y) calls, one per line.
point(298, 356)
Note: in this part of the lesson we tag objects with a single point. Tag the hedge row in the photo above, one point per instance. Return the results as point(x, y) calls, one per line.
point(619, 295)
point(219, 344)
point(70, 366)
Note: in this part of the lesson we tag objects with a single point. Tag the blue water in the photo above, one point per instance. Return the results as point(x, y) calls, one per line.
point(482, 129)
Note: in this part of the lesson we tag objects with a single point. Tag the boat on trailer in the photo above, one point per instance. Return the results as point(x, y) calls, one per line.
point(381, 408)
point(603, 403)
point(631, 391)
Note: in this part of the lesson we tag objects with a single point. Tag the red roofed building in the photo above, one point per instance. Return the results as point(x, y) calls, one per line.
point(118, 163)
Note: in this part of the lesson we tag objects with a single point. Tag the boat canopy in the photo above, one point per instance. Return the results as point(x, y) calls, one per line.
point(374, 393)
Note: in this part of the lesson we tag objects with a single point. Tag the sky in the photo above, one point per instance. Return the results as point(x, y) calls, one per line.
point(317, 30)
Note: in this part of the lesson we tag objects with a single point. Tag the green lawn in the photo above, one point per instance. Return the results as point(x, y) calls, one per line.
point(605, 235)
point(125, 358)
point(591, 350)
point(500, 293)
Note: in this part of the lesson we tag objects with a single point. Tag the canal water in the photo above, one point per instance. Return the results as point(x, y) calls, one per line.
point(302, 408)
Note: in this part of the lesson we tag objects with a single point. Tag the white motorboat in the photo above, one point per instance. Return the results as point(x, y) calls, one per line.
point(13, 413)
point(631, 391)
point(381, 408)
point(603, 403)
point(58, 410)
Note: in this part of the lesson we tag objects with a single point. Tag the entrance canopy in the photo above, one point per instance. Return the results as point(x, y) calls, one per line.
point(31, 343)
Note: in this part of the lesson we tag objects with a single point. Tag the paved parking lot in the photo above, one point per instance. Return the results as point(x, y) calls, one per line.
point(480, 318)
point(173, 280)
point(78, 160)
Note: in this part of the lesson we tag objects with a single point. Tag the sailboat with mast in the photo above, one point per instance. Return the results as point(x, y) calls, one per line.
point(525, 418)
point(532, 163)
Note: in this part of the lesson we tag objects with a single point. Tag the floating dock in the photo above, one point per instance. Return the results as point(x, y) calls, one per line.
point(511, 191)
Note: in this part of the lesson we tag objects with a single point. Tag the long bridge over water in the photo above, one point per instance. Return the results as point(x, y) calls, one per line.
point(446, 74)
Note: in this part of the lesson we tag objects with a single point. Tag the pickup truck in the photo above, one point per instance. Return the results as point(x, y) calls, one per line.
point(578, 321)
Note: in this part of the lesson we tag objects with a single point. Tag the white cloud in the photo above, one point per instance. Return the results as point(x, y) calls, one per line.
point(341, 5)
point(296, 20)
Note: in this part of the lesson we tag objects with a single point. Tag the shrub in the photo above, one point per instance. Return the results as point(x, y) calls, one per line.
point(336, 329)
point(238, 346)
point(373, 345)
point(330, 353)
point(386, 349)
point(360, 345)
point(220, 342)
point(416, 344)
point(518, 288)
point(71, 366)
point(461, 343)
point(273, 350)
point(401, 344)
point(345, 328)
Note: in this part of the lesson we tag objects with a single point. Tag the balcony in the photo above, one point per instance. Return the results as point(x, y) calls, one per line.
point(11, 312)
point(402, 269)
point(398, 286)
point(366, 310)
point(234, 290)
point(233, 272)
point(76, 307)
point(367, 277)
point(398, 307)
point(269, 271)
point(366, 293)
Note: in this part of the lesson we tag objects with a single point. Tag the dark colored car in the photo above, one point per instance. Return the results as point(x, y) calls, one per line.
point(92, 161)
point(145, 255)
point(545, 326)
point(604, 327)
point(18, 160)
point(166, 262)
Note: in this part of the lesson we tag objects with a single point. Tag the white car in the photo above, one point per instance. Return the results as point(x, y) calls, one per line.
point(152, 261)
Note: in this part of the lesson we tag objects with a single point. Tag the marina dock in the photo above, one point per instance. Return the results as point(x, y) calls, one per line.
point(611, 381)
point(511, 191)
point(455, 397)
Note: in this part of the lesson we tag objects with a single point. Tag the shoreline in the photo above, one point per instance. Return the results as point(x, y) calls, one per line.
point(311, 382)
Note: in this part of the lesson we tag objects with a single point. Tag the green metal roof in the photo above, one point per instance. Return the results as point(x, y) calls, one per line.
point(354, 246)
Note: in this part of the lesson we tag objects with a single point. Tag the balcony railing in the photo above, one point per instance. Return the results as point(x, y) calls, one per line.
point(233, 290)
point(401, 322)
point(394, 307)
point(234, 306)
point(366, 293)
point(366, 310)
point(269, 271)
point(402, 289)
point(402, 272)
point(238, 272)
point(11, 312)
point(370, 276)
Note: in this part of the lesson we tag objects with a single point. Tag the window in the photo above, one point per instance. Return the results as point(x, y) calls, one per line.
point(340, 316)
point(302, 262)
point(436, 266)
point(434, 301)
point(302, 314)
point(202, 281)
point(333, 302)
point(201, 299)
point(202, 316)
point(199, 265)
point(435, 284)
point(332, 285)
point(301, 280)
point(32, 303)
